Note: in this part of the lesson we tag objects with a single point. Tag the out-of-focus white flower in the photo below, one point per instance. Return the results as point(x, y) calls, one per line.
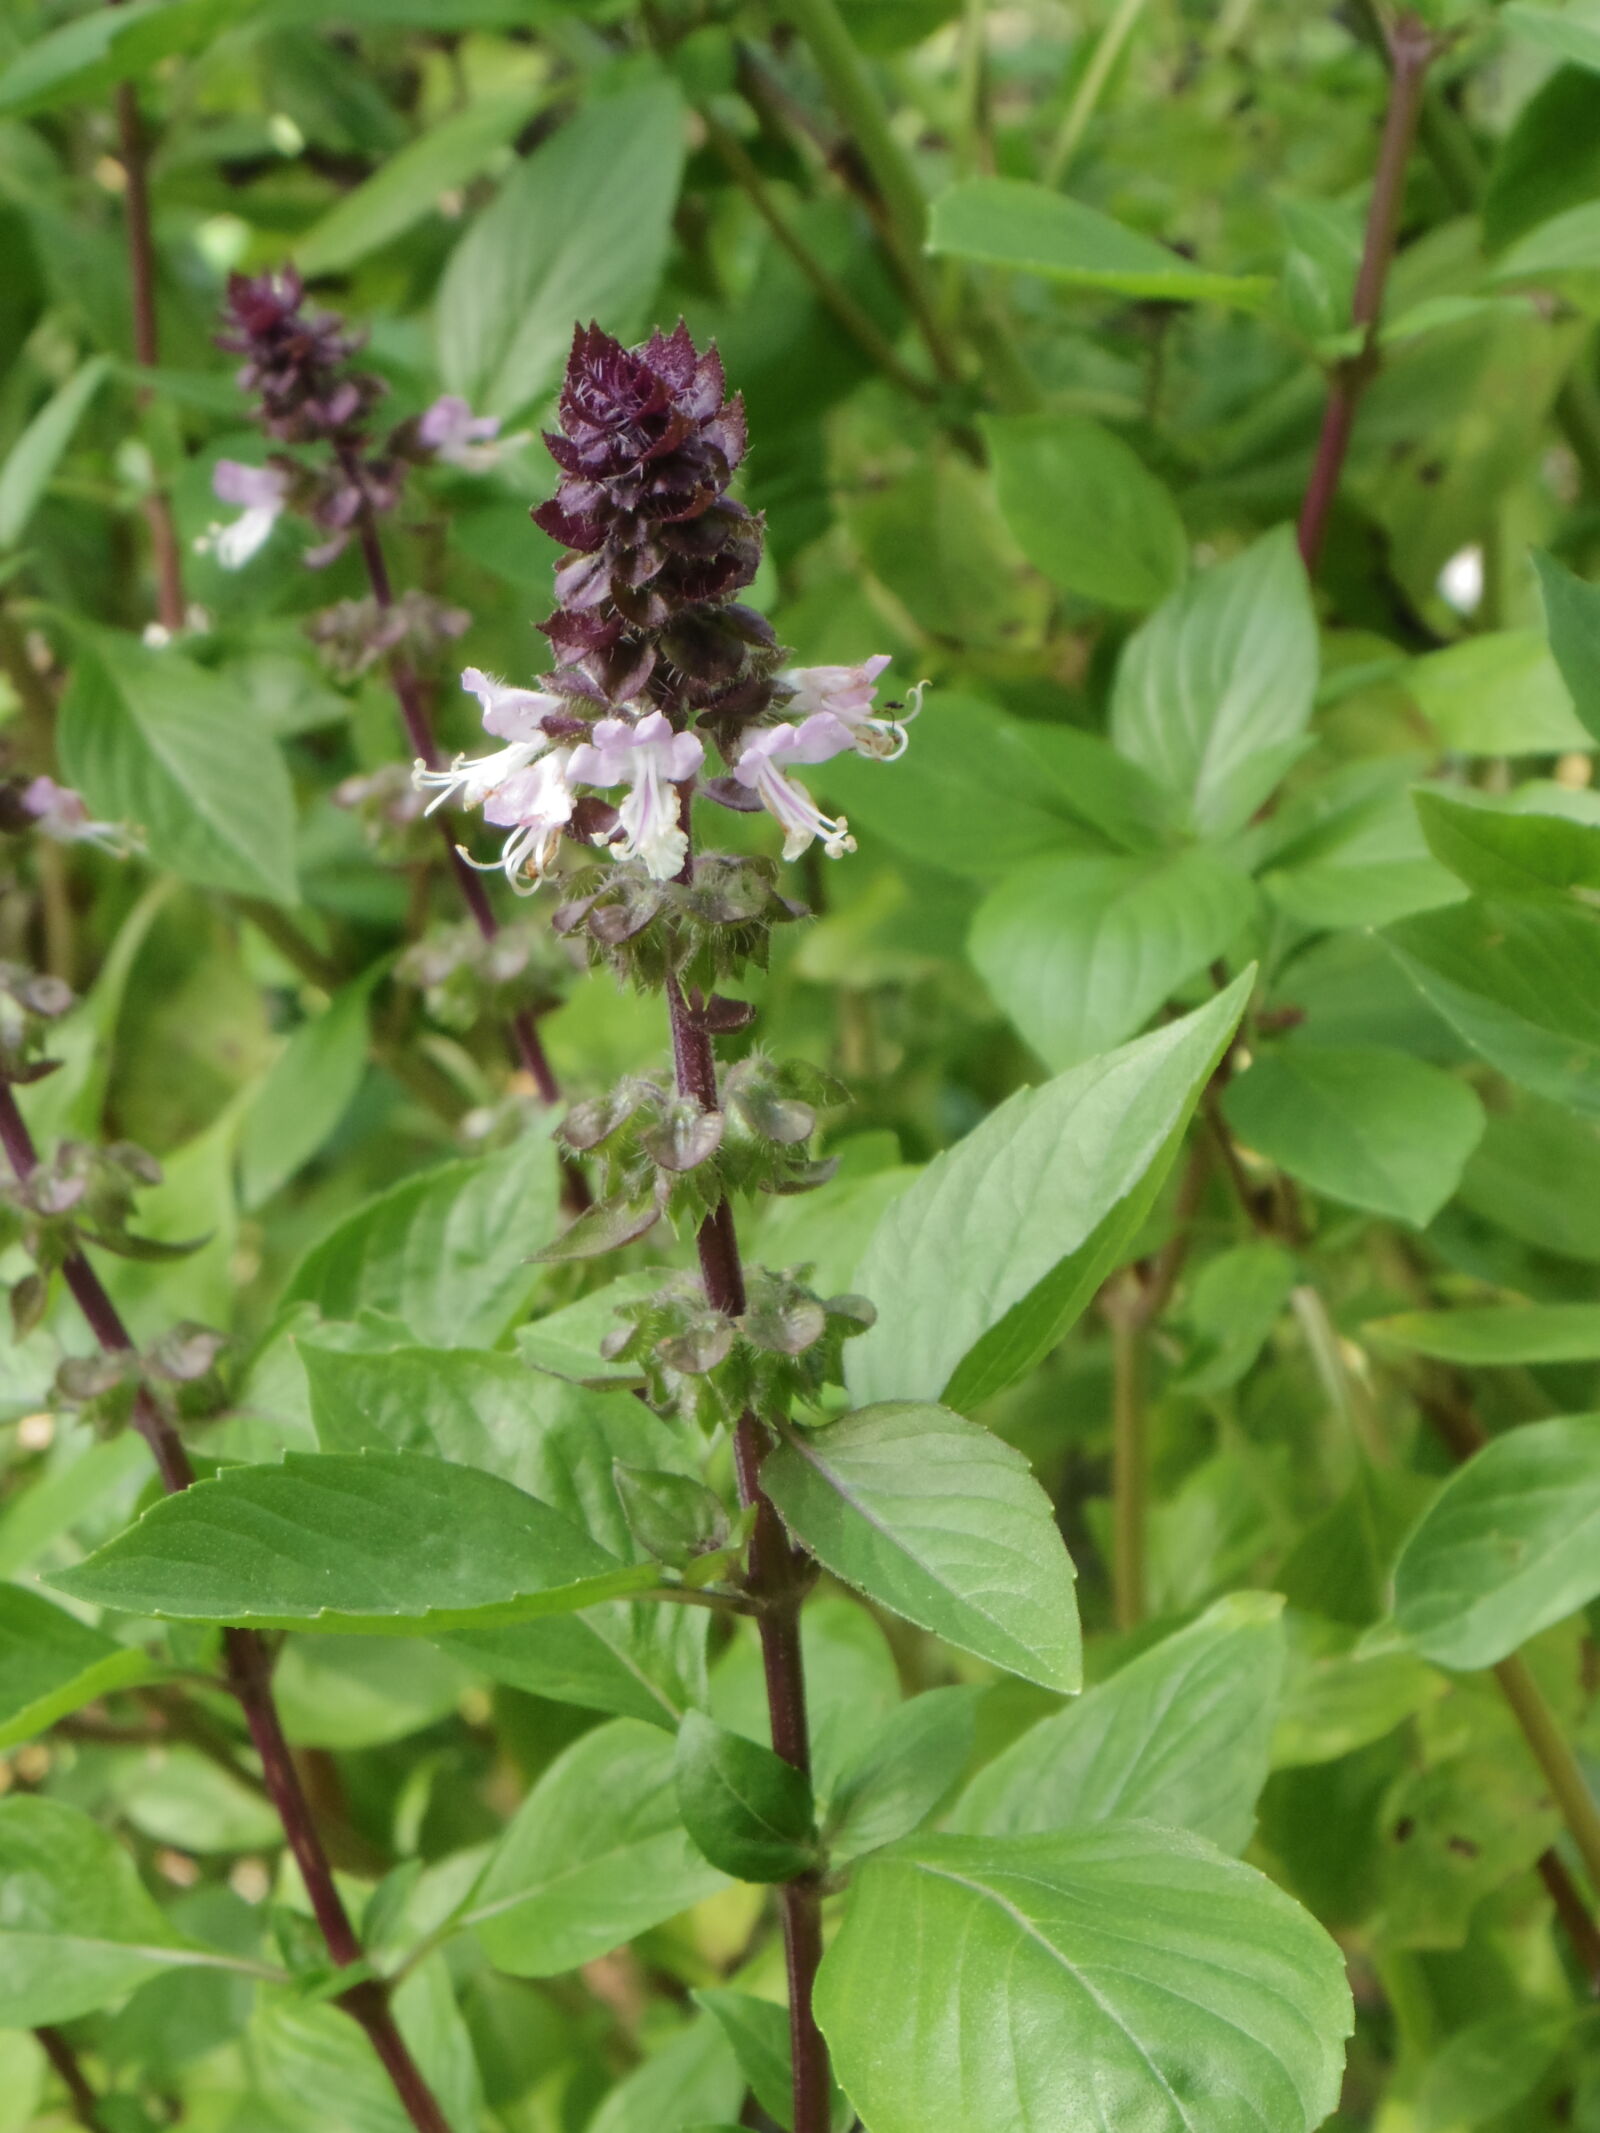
point(1460, 582)
point(651, 760)
point(454, 434)
point(261, 493)
point(60, 814)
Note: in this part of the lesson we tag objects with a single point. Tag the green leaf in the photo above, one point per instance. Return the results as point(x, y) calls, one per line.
point(935, 1518)
point(1342, 1694)
point(1374, 1129)
point(1569, 243)
point(86, 56)
point(152, 740)
point(390, 1544)
point(1572, 620)
point(691, 2084)
point(363, 1692)
point(901, 1772)
point(1181, 1735)
point(1085, 509)
point(1548, 161)
point(750, 1812)
point(37, 452)
point(1520, 983)
point(1503, 848)
point(313, 2067)
point(852, 1682)
point(595, 1854)
point(1498, 694)
point(758, 2031)
point(1509, 1545)
point(982, 1264)
point(563, 1446)
point(446, 1252)
point(1234, 1303)
point(1537, 1176)
point(1356, 856)
point(51, 1663)
point(580, 231)
point(309, 1088)
point(1125, 1976)
point(406, 188)
point(1005, 222)
point(1490, 2066)
point(1081, 952)
point(1570, 36)
point(566, 1343)
point(972, 798)
point(180, 1797)
point(1213, 694)
point(77, 1929)
point(1491, 1335)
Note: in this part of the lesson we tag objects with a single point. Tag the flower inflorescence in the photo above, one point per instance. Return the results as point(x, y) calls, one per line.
point(658, 656)
point(299, 367)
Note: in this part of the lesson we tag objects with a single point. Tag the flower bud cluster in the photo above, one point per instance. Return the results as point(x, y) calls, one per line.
point(29, 1004)
point(664, 1155)
point(464, 978)
point(81, 1195)
point(707, 1368)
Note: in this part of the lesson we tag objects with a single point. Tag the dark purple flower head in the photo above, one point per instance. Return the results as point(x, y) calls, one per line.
point(648, 446)
point(297, 362)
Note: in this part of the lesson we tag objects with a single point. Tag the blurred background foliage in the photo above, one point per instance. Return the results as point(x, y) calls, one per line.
point(991, 453)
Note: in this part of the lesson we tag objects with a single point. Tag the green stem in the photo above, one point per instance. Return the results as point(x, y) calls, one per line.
point(1086, 101)
point(851, 315)
point(854, 95)
point(895, 189)
point(1556, 1759)
point(975, 143)
point(1129, 1455)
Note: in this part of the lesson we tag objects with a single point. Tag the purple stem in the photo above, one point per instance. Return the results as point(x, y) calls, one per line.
point(1411, 52)
point(776, 1582)
point(249, 1672)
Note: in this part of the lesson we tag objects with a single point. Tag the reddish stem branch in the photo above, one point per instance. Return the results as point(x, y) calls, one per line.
point(85, 2103)
point(1411, 52)
point(170, 603)
point(525, 1039)
point(249, 1674)
point(777, 1579)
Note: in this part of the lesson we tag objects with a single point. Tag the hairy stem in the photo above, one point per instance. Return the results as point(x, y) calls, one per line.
point(170, 603)
point(1411, 50)
point(249, 1675)
point(777, 1580)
